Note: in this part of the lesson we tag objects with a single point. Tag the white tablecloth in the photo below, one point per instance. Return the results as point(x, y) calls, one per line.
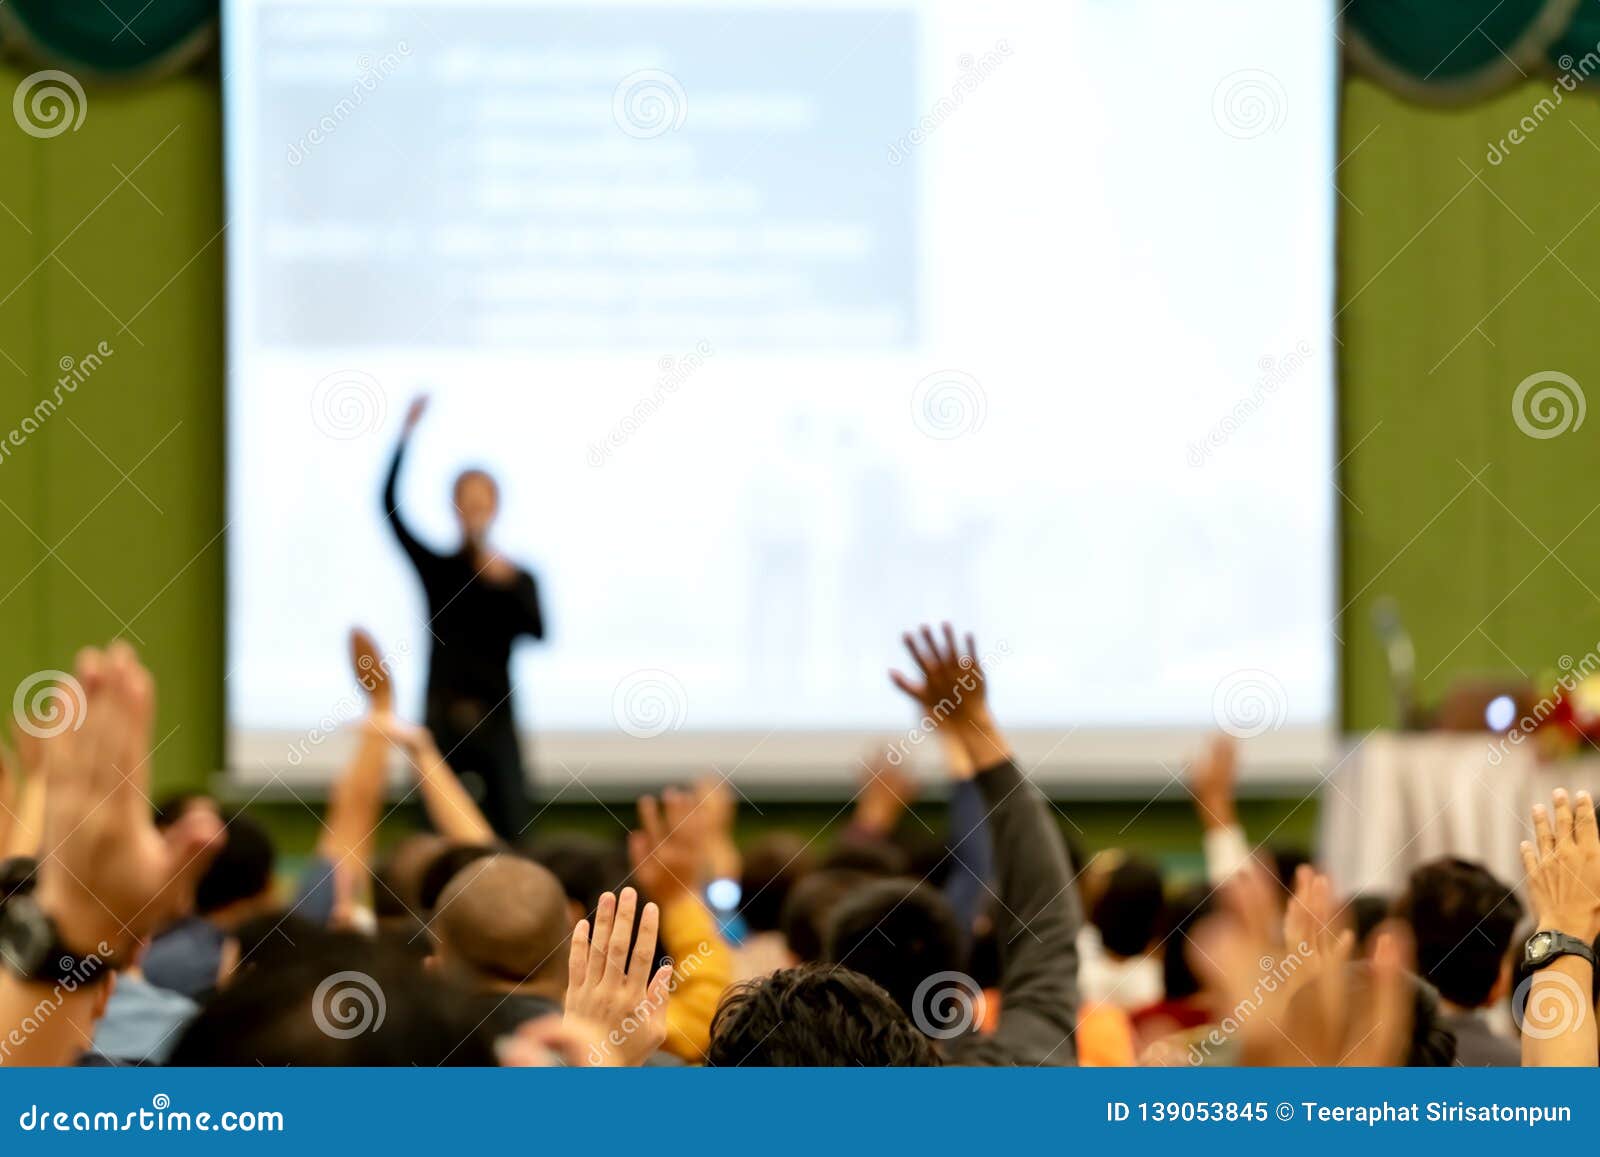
point(1399, 800)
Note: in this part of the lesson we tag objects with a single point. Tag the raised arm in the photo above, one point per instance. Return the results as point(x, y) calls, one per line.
point(1563, 866)
point(108, 878)
point(421, 556)
point(670, 854)
point(1038, 914)
point(342, 868)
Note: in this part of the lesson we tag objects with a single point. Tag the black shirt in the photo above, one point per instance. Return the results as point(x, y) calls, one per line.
point(473, 621)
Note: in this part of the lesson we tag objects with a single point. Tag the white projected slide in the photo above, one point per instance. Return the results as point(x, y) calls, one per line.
point(784, 326)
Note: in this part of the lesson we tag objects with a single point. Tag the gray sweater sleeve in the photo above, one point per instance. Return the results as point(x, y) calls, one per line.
point(1037, 920)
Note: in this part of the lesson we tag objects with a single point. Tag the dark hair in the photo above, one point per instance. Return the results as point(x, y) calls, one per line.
point(874, 857)
point(1183, 912)
point(771, 868)
point(1364, 912)
point(333, 999)
point(1464, 921)
point(815, 1016)
point(1128, 909)
point(17, 876)
point(443, 867)
point(1432, 1044)
point(172, 808)
point(898, 933)
point(810, 907)
point(587, 866)
point(242, 869)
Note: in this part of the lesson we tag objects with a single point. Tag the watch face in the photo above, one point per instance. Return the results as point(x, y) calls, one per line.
point(1539, 946)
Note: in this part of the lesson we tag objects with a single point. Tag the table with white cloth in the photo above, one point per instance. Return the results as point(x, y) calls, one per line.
point(1399, 799)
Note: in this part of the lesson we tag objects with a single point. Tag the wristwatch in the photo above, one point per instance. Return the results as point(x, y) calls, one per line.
point(1544, 948)
point(31, 948)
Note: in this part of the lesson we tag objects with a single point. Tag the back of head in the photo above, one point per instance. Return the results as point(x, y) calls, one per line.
point(772, 866)
point(1463, 920)
point(333, 999)
point(871, 856)
point(810, 907)
point(1128, 909)
point(397, 876)
point(443, 868)
point(242, 869)
point(502, 920)
point(587, 866)
point(900, 934)
point(815, 1016)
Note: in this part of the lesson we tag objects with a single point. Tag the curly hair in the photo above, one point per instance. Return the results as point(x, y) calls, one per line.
point(817, 1015)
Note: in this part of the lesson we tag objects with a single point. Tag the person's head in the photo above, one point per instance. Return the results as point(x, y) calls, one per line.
point(899, 933)
point(771, 868)
point(869, 856)
point(1127, 909)
point(816, 1015)
point(501, 925)
point(1463, 920)
point(587, 866)
point(320, 998)
point(477, 499)
point(810, 907)
point(1364, 913)
point(238, 884)
point(443, 868)
point(397, 876)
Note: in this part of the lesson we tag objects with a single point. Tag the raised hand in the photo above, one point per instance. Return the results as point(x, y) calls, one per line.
point(1563, 866)
point(953, 694)
point(414, 412)
point(715, 801)
point(886, 791)
point(1213, 781)
point(371, 671)
point(106, 874)
point(952, 685)
point(608, 990)
point(669, 851)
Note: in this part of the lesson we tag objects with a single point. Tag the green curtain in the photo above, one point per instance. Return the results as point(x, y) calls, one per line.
point(108, 39)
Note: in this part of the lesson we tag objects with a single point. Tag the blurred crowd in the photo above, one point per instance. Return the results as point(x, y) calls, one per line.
point(141, 933)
